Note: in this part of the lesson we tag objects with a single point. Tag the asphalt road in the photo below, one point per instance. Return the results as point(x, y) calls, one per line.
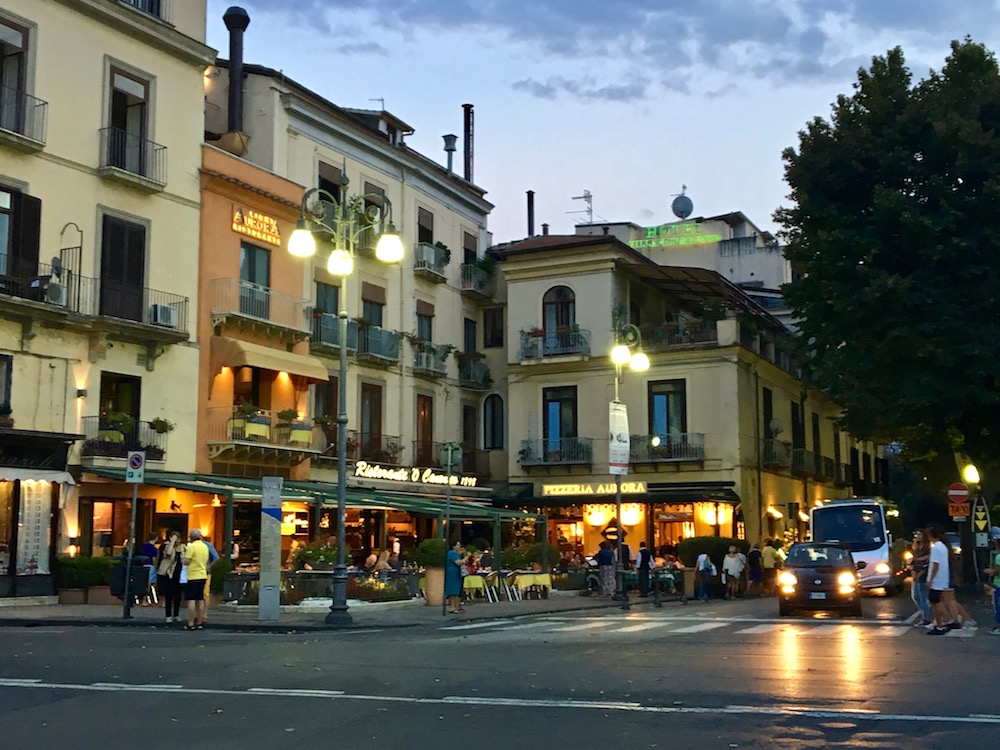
point(721, 675)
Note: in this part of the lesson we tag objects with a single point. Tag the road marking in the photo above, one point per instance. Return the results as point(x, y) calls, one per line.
point(759, 629)
point(640, 627)
point(913, 618)
point(473, 625)
point(701, 628)
point(585, 626)
point(523, 626)
point(891, 632)
point(154, 688)
point(488, 702)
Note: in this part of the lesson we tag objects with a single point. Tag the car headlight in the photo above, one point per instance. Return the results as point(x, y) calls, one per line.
point(787, 579)
point(847, 579)
point(882, 568)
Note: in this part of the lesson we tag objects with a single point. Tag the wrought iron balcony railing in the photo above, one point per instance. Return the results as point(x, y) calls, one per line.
point(540, 344)
point(474, 373)
point(264, 427)
point(248, 300)
point(326, 331)
point(803, 462)
point(777, 454)
point(430, 261)
point(556, 451)
point(475, 279)
point(682, 446)
point(112, 437)
point(130, 153)
point(23, 114)
point(378, 344)
point(430, 359)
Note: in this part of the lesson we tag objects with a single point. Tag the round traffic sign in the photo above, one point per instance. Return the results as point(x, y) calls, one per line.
point(135, 461)
point(958, 493)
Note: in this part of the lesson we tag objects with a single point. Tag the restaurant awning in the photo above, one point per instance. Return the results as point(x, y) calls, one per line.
point(8, 474)
point(227, 352)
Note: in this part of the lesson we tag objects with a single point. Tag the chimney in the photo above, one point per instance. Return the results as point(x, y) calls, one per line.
point(469, 128)
point(545, 229)
point(531, 213)
point(235, 140)
point(449, 147)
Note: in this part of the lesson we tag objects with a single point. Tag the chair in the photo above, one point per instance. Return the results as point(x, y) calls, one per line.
point(509, 580)
point(490, 584)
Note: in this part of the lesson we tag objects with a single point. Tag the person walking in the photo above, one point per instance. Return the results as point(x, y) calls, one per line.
point(918, 579)
point(605, 560)
point(705, 570)
point(938, 575)
point(643, 566)
point(168, 575)
point(732, 571)
point(195, 557)
point(454, 562)
point(994, 570)
point(769, 565)
point(755, 571)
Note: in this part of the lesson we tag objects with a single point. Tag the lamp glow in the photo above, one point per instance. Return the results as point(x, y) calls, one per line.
point(621, 355)
point(970, 474)
point(302, 244)
point(631, 515)
point(390, 247)
point(341, 263)
point(655, 441)
point(639, 362)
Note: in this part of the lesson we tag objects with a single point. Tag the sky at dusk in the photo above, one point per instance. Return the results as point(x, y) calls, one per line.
point(628, 99)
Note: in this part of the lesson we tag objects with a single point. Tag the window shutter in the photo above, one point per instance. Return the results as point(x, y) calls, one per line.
point(27, 230)
point(113, 250)
point(135, 255)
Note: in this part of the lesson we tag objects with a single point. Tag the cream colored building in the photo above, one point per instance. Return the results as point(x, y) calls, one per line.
point(743, 446)
point(99, 201)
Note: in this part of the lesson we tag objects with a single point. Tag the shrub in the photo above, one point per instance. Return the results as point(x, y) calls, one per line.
point(430, 553)
point(320, 554)
point(522, 556)
point(81, 572)
point(716, 547)
point(219, 571)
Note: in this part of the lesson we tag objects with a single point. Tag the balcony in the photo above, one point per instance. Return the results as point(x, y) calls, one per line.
point(474, 373)
point(430, 361)
point(382, 449)
point(133, 160)
point(257, 307)
point(556, 452)
point(803, 462)
point(845, 475)
point(476, 282)
point(538, 344)
point(22, 120)
point(108, 439)
point(157, 8)
point(431, 262)
point(325, 335)
point(827, 468)
point(685, 446)
point(261, 436)
point(738, 246)
point(378, 346)
point(777, 454)
point(679, 333)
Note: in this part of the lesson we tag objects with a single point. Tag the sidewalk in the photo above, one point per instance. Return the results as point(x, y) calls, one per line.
point(310, 618)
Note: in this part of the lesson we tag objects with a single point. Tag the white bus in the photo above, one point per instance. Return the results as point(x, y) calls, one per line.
point(861, 525)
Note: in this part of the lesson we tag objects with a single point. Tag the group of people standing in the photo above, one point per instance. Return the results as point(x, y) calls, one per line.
point(751, 574)
point(182, 570)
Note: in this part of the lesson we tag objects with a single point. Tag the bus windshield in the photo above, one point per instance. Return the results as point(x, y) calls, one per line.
point(859, 528)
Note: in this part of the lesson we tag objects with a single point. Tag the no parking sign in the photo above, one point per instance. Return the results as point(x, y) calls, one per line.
point(135, 472)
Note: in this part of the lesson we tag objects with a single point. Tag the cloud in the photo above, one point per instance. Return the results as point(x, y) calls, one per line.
point(583, 88)
point(363, 48)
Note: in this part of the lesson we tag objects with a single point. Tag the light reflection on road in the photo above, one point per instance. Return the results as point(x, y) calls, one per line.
point(845, 676)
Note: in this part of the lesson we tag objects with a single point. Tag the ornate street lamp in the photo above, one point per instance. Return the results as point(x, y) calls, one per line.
point(627, 338)
point(342, 223)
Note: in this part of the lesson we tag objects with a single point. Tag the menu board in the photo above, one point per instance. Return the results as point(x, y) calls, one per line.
point(34, 529)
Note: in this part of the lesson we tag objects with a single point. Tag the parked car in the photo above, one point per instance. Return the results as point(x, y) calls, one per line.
point(819, 576)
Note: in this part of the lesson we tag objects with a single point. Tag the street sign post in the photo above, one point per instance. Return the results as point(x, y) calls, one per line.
point(135, 474)
point(958, 492)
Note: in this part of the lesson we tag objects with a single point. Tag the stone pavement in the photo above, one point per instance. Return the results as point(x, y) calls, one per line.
point(309, 618)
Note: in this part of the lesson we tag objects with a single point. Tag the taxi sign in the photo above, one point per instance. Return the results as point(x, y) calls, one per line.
point(958, 510)
point(135, 469)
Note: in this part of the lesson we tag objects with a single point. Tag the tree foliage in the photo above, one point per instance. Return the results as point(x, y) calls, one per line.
point(893, 233)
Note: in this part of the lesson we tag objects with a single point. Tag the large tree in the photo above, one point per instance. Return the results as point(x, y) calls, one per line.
point(894, 233)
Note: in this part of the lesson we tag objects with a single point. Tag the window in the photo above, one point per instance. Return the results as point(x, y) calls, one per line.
point(371, 312)
point(121, 394)
point(371, 417)
point(559, 420)
point(425, 431)
point(152, 7)
point(667, 408)
point(20, 224)
point(123, 268)
point(255, 273)
point(492, 327)
point(374, 197)
point(13, 78)
point(327, 298)
point(493, 422)
point(470, 247)
point(767, 406)
point(127, 121)
point(558, 310)
point(817, 447)
point(425, 226)
point(469, 337)
point(798, 427)
point(6, 371)
point(325, 401)
point(328, 179)
point(425, 327)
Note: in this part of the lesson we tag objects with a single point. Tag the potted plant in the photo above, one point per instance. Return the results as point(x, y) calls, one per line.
point(6, 420)
point(431, 555)
point(161, 426)
point(445, 252)
point(120, 421)
point(247, 409)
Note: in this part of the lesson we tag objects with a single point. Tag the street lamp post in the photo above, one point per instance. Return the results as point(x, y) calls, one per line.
point(350, 219)
point(627, 336)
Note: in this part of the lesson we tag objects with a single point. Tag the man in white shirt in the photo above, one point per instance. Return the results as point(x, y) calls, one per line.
point(938, 582)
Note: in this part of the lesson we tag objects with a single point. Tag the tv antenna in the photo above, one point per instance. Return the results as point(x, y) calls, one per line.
point(381, 102)
point(587, 198)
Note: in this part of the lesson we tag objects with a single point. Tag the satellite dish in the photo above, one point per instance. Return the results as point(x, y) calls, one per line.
point(682, 205)
point(776, 426)
point(57, 267)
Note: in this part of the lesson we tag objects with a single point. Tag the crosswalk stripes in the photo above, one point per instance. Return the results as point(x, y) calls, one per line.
point(701, 627)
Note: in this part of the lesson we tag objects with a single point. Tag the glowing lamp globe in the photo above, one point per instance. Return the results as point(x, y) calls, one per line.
point(621, 355)
point(639, 362)
point(341, 263)
point(390, 247)
point(302, 244)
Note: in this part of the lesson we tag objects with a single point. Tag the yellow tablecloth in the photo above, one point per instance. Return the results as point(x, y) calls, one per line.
point(255, 430)
point(301, 435)
point(524, 580)
point(473, 582)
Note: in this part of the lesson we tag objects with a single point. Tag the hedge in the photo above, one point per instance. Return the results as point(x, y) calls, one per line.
point(81, 572)
point(717, 548)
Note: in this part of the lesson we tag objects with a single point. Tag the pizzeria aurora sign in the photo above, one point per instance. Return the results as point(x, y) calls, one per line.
point(412, 474)
point(256, 225)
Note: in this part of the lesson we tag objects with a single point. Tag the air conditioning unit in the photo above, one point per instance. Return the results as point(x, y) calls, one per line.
point(55, 294)
point(163, 315)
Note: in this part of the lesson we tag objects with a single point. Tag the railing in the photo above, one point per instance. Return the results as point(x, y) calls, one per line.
point(23, 114)
point(777, 453)
point(536, 345)
point(826, 468)
point(123, 150)
point(474, 278)
point(326, 331)
point(103, 438)
point(553, 451)
point(684, 446)
point(427, 257)
point(383, 449)
point(157, 8)
point(141, 305)
point(737, 246)
point(431, 359)
point(474, 373)
point(37, 281)
point(248, 300)
point(378, 343)
point(803, 462)
point(680, 332)
point(263, 426)
point(428, 453)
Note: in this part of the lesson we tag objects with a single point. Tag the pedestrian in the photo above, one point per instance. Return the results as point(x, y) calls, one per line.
point(705, 569)
point(732, 572)
point(755, 572)
point(938, 581)
point(918, 579)
point(149, 548)
point(195, 557)
point(643, 566)
point(168, 575)
point(994, 570)
point(454, 563)
point(769, 564)
point(605, 560)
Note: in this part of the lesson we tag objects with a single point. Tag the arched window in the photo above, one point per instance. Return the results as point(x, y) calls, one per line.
point(493, 422)
point(558, 310)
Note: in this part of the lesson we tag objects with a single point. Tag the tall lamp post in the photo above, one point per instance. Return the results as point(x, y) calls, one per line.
point(342, 223)
point(627, 338)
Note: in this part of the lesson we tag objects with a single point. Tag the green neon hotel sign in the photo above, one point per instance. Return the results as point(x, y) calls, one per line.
point(668, 235)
